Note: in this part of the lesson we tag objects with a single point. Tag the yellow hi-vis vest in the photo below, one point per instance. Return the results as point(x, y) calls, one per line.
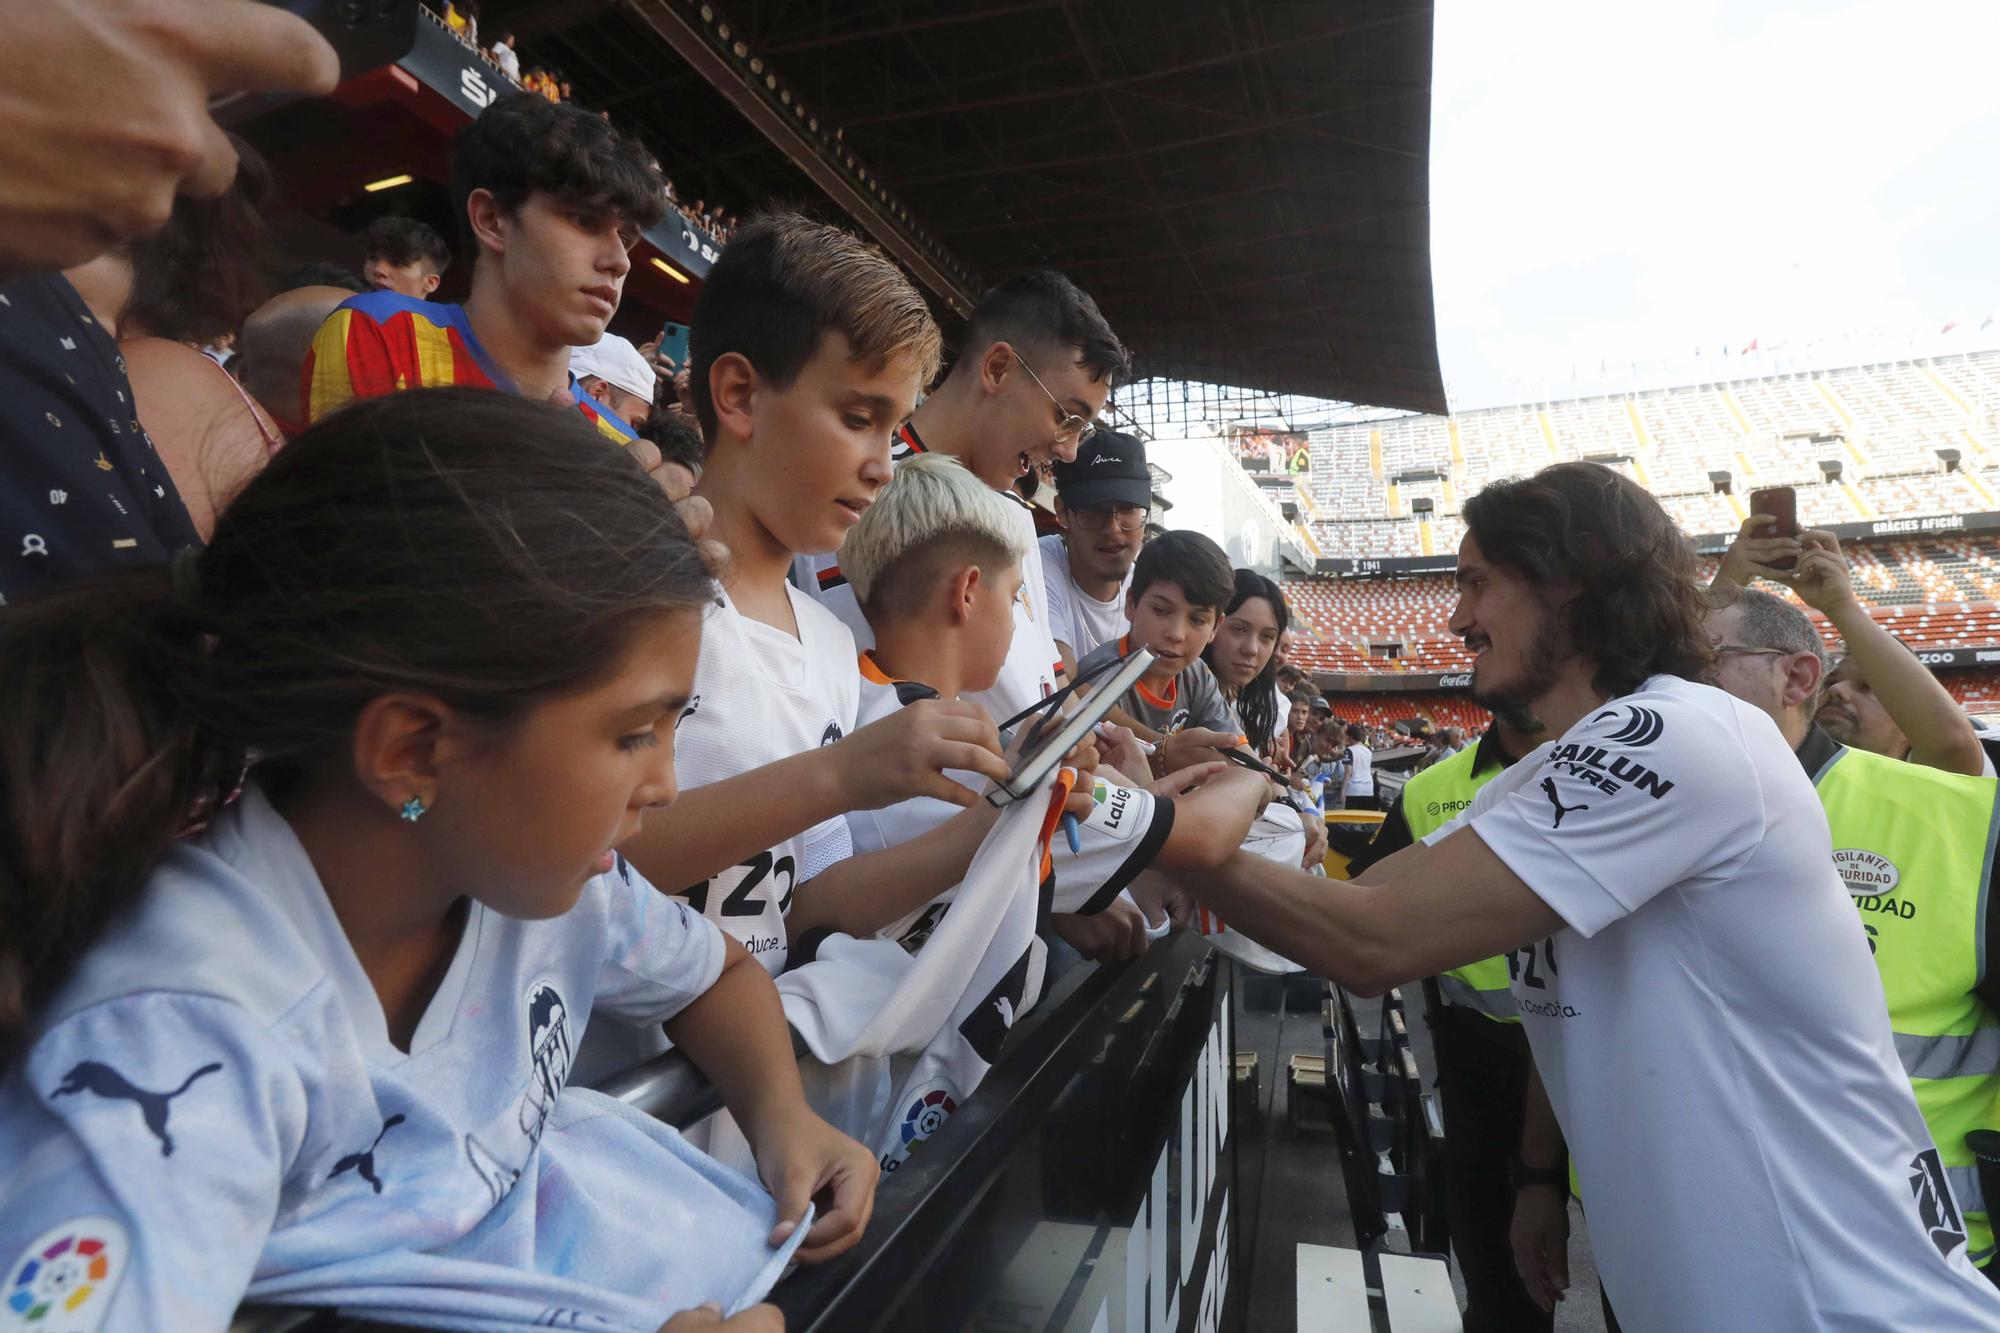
point(1432, 799)
point(1914, 846)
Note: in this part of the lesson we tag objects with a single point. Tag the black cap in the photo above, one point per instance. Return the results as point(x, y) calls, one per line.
point(1110, 468)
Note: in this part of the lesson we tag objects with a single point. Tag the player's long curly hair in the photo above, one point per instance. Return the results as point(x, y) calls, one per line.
point(490, 551)
point(1638, 609)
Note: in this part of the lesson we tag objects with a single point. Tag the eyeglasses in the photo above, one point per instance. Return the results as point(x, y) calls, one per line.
point(1126, 518)
point(1071, 427)
point(1740, 650)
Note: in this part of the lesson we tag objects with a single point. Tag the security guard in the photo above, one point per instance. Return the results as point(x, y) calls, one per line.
point(1482, 1054)
point(1915, 847)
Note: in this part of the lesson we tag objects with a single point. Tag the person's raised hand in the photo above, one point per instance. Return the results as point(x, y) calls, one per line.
point(707, 1318)
point(1821, 579)
point(1195, 745)
point(1539, 1236)
point(104, 117)
point(1110, 936)
point(802, 1160)
point(906, 754)
point(1750, 555)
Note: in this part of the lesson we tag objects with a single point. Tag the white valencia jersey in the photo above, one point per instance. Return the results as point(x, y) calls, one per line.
point(761, 695)
point(212, 1110)
point(1712, 1032)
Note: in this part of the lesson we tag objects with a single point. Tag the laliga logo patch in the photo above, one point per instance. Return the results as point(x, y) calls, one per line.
point(1866, 874)
point(926, 1111)
point(1111, 809)
point(64, 1279)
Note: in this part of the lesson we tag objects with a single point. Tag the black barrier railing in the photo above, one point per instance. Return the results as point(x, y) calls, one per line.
point(1093, 1166)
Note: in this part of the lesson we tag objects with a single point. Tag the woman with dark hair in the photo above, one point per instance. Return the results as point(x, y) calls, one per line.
point(456, 632)
point(190, 285)
point(1243, 656)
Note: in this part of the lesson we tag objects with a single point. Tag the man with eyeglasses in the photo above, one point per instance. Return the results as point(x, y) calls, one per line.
point(1102, 498)
point(1035, 367)
point(1914, 846)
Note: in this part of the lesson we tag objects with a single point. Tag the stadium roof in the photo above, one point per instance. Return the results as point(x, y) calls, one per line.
point(1243, 185)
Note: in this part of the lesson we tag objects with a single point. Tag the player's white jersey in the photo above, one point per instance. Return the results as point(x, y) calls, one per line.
point(1713, 1035)
point(212, 1110)
point(761, 695)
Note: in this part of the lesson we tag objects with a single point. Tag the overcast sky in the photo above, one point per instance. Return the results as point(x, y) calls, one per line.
point(1616, 182)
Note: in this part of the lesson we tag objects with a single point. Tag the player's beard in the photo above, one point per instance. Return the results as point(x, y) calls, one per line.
point(1510, 701)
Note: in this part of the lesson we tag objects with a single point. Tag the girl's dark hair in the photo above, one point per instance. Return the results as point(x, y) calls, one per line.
point(1638, 610)
point(476, 546)
point(1256, 704)
point(197, 278)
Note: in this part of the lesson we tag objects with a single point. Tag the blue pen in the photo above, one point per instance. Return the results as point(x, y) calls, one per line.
point(1071, 833)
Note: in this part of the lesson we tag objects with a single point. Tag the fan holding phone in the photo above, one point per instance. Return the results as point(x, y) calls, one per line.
point(1767, 545)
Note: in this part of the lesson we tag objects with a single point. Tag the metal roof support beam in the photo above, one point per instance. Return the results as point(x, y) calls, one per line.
point(791, 139)
point(907, 26)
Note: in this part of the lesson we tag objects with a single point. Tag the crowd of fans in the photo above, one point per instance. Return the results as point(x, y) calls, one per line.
point(462, 20)
point(356, 695)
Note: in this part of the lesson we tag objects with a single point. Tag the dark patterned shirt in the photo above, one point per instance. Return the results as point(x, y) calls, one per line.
point(81, 488)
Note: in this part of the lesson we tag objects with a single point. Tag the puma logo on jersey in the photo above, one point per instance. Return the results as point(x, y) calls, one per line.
point(363, 1163)
point(1549, 789)
point(90, 1076)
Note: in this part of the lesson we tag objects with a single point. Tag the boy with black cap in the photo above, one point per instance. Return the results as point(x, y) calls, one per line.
point(1102, 497)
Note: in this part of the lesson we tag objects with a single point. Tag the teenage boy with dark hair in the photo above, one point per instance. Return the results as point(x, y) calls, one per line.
point(1180, 585)
point(551, 200)
point(1035, 367)
point(405, 256)
point(808, 347)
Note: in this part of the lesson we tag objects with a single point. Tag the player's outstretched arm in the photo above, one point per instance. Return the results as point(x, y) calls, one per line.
point(735, 1033)
point(713, 827)
point(1421, 911)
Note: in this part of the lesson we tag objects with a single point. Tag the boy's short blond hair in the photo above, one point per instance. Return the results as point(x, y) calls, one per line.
point(934, 516)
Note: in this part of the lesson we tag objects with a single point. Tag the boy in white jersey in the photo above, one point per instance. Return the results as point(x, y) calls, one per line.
point(1038, 366)
point(809, 346)
point(936, 564)
point(1701, 1005)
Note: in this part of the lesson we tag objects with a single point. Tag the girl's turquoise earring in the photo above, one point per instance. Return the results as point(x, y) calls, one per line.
point(413, 809)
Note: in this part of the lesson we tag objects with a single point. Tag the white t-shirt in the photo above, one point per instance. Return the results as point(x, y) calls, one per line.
point(211, 1110)
point(1360, 770)
point(761, 695)
point(1712, 1031)
point(1075, 617)
point(509, 62)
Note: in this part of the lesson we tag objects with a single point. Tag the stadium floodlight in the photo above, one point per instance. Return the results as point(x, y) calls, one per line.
point(387, 183)
point(670, 270)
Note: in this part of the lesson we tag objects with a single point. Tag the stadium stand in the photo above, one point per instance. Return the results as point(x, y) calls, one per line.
point(1861, 443)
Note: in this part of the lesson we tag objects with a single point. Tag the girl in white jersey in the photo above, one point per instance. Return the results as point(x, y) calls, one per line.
point(317, 1052)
